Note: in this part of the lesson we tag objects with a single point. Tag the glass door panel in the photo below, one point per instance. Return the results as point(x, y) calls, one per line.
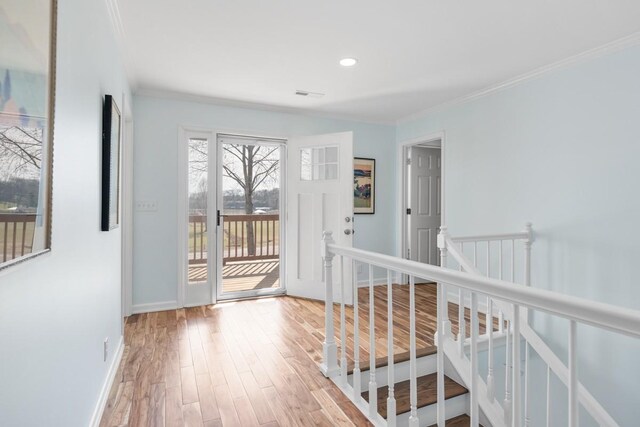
point(199, 253)
point(249, 218)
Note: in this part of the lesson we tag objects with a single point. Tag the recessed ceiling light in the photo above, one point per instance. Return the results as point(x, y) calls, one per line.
point(348, 62)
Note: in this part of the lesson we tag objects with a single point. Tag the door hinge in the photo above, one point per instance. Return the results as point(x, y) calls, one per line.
point(408, 161)
point(408, 211)
point(408, 253)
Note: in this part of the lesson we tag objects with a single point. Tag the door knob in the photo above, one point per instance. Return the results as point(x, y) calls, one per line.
point(347, 219)
point(347, 231)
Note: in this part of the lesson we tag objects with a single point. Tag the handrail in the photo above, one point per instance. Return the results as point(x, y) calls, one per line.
point(606, 316)
point(520, 235)
point(511, 299)
point(554, 364)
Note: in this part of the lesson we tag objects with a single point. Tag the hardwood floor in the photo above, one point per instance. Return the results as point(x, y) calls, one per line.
point(249, 363)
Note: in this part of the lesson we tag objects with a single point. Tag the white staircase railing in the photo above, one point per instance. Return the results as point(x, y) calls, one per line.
point(509, 302)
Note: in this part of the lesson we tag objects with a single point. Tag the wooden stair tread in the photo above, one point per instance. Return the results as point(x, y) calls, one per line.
point(427, 393)
point(397, 358)
point(459, 421)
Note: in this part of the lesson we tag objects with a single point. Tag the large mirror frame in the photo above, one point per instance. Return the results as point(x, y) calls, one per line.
point(21, 221)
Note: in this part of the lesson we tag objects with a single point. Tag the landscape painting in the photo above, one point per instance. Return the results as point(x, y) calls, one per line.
point(364, 173)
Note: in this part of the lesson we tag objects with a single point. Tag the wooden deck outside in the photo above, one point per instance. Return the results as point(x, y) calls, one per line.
point(242, 275)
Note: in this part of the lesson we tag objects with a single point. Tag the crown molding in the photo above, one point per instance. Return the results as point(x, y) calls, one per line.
point(611, 47)
point(224, 102)
point(118, 30)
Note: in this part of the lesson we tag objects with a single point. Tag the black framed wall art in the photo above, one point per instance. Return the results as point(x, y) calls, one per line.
point(110, 164)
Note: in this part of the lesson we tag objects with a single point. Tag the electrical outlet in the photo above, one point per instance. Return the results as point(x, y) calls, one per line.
point(105, 349)
point(146, 205)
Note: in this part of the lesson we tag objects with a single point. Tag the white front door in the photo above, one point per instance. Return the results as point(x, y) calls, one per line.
point(424, 202)
point(319, 198)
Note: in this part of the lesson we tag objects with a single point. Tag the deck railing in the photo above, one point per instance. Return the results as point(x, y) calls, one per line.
point(507, 300)
point(238, 244)
point(16, 235)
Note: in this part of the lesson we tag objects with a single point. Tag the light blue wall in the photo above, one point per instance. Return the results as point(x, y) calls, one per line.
point(56, 310)
point(155, 178)
point(562, 151)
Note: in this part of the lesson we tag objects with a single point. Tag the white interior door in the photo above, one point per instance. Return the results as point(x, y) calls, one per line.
point(319, 198)
point(425, 203)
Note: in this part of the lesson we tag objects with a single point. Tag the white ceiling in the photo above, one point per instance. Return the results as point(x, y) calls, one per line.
point(413, 54)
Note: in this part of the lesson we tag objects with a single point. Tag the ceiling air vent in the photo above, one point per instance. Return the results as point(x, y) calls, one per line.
point(309, 94)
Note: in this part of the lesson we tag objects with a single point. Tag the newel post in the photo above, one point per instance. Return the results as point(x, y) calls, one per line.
point(329, 366)
point(442, 329)
point(443, 321)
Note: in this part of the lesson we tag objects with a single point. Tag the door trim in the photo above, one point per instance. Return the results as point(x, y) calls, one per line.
point(402, 187)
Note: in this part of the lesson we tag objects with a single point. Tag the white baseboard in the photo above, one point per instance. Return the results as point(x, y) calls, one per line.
point(106, 387)
point(154, 306)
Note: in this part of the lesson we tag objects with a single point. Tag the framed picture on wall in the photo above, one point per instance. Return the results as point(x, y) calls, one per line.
point(364, 186)
point(110, 164)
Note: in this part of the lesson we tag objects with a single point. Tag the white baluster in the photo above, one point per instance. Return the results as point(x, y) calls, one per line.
point(500, 261)
point(489, 326)
point(488, 258)
point(413, 380)
point(517, 388)
point(513, 261)
point(357, 381)
point(329, 365)
point(573, 375)
point(527, 372)
point(343, 328)
point(548, 396)
point(475, 416)
point(506, 404)
point(527, 254)
point(475, 254)
point(489, 331)
point(527, 264)
point(373, 387)
point(461, 322)
point(391, 399)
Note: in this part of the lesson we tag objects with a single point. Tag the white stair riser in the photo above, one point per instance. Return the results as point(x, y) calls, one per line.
point(424, 366)
point(428, 415)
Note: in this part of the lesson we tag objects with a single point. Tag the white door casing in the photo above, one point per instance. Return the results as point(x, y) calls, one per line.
point(319, 198)
point(425, 203)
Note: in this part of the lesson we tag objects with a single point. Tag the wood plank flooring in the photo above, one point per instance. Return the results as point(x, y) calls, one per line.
point(249, 363)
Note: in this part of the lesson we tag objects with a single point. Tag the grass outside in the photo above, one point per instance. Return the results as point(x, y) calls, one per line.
point(6, 205)
point(7, 237)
